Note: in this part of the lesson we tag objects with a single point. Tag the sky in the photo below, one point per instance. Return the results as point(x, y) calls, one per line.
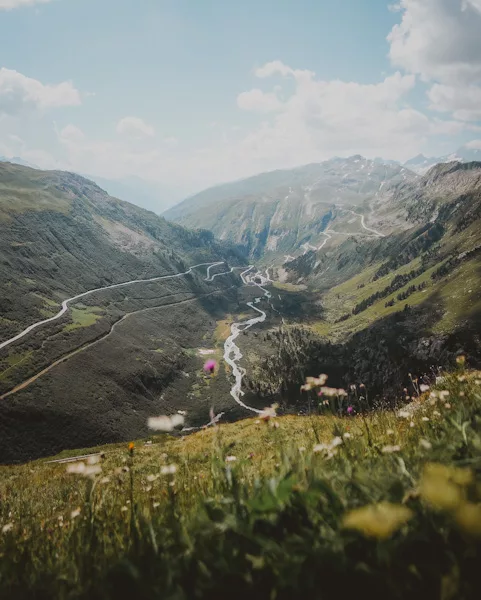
point(191, 93)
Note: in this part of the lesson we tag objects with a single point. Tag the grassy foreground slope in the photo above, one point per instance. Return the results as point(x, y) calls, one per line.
point(328, 506)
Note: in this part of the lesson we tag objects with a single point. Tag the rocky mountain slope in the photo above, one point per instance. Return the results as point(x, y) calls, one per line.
point(421, 164)
point(285, 211)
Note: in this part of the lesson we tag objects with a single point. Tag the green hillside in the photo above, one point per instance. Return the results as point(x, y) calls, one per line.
point(97, 372)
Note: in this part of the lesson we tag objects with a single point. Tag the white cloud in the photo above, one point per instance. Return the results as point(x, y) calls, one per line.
point(439, 40)
point(277, 67)
point(258, 101)
point(463, 101)
point(71, 133)
point(19, 93)
point(474, 145)
point(134, 127)
point(10, 4)
point(318, 119)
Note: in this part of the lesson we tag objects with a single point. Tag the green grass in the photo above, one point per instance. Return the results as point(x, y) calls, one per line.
point(13, 361)
point(83, 317)
point(458, 302)
point(280, 521)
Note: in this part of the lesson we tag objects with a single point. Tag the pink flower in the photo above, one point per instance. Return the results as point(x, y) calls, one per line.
point(350, 410)
point(210, 366)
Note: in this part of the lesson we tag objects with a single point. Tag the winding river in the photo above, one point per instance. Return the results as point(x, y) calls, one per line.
point(232, 353)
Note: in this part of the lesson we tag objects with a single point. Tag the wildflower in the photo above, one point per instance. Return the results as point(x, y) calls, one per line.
point(423, 387)
point(124, 509)
point(251, 455)
point(274, 424)
point(461, 360)
point(425, 419)
point(447, 405)
point(168, 470)
point(131, 448)
point(436, 413)
point(378, 520)
point(165, 423)
point(269, 412)
point(331, 392)
point(210, 366)
point(443, 394)
point(76, 468)
point(83, 469)
point(411, 424)
point(156, 504)
point(328, 449)
point(152, 478)
point(7, 527)
point(350, 410)
point(347, 436)
point(105, 480)
point(390, 449)
point(256, 422)
point(230, 458)
point(302, 449)
point(404, 414)
point(312, 382)
point(75, 513)
point(468, 518)
point(390, 432)
point(442, 486)
point(425, 444)
point(93, 460)
point(183, 413)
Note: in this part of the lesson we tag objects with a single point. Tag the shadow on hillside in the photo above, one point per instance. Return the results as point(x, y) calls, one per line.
point(381, 356)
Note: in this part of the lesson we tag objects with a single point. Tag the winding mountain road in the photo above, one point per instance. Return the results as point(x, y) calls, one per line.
point(65, 303)
point(62, 359)
point(232, 353)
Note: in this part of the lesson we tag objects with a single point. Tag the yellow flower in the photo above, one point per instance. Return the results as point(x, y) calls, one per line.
point(378, 520)
point(468, 518)
point(442, 486)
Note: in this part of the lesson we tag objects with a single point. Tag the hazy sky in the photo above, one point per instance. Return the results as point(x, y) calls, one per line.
point(195, 92)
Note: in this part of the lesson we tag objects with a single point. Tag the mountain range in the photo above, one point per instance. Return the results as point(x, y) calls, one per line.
point(361, 261)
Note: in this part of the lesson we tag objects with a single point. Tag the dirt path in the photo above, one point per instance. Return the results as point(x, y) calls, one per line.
point(66, 357)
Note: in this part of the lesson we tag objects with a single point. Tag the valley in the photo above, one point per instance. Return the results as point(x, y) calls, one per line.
point(368, 272)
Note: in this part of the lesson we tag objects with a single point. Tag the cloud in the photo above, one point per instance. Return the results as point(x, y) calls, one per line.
point(71, 133)
point(463, 101)
point(474, 145)
point(11, 4)
point(135, 128)
point(277, 67)
point(19, 93)
point(258, 101)
point(316, 120)
point(439, 40)
point(321, 118)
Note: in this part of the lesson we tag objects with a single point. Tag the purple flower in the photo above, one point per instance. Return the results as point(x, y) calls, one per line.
point(210, 366)
point(350, 410)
